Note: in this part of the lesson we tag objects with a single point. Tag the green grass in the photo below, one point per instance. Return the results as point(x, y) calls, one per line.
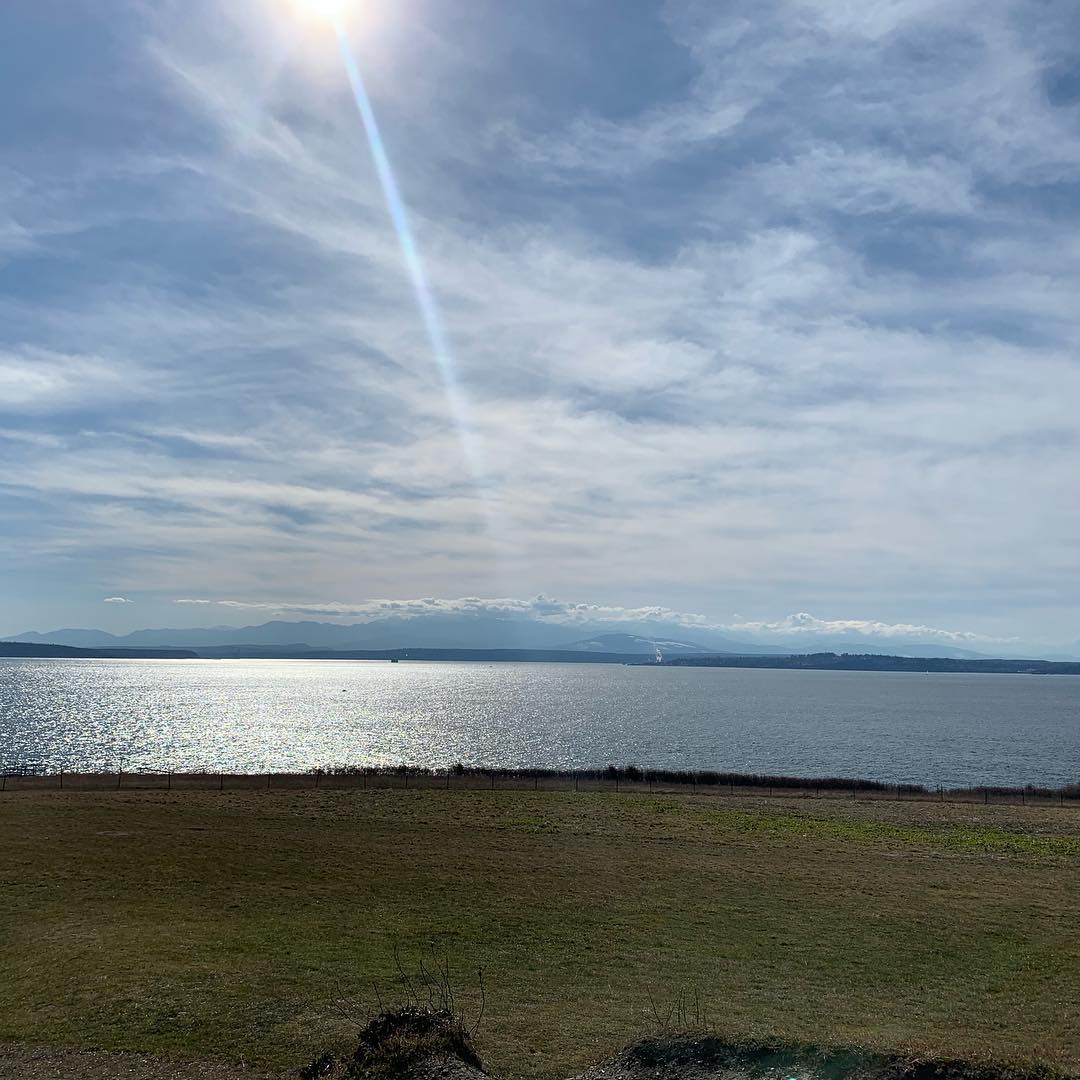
point(228, 925)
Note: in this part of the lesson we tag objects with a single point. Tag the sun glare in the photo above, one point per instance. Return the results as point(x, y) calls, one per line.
point(324, 11)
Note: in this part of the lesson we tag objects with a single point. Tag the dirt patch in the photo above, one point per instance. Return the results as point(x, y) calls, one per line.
point(417, 1044)
point(48, 1063)
point(705, 1058)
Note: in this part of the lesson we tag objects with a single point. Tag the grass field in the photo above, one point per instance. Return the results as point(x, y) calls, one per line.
point(231, 926)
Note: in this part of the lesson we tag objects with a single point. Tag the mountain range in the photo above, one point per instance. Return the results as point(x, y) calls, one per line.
point(478, 632)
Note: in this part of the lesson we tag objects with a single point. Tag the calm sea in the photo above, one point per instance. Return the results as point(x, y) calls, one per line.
point(260, 714)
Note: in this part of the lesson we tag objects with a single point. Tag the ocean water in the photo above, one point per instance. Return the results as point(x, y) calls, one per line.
point(254, 715)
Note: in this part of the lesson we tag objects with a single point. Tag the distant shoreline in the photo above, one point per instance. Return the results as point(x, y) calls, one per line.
point(874, 662)
point(795, 662)
point(617, 779)
point(18, 650)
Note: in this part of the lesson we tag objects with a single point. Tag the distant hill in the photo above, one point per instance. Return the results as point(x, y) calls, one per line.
point(59, 652)
point(19, 649)
point(464, 631)
point(621, 649)
point(889, 648)
point(486, 656)
point(876, 662)
point(632, 643)
point(427, 632)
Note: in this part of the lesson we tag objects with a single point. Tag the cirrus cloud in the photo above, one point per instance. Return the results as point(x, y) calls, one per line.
point(770, 308)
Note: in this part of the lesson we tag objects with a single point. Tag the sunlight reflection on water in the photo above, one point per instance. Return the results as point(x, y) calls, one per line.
point(252, 715)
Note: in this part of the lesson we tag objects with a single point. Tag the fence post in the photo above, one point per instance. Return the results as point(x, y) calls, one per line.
point(986, 796)
point(616, 782)
point(363, 773)
point(447, 779)
point(221, 781)
point(406, 777)
point(493, 780)
point(267, 781)
point(169, 788)
point(61, 779)
point(1023, 797)
point(119, 777)
point(575, 781)
point(536, 783)
point(318, 777)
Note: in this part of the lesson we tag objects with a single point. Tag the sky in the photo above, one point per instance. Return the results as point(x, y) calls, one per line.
point(762, 313)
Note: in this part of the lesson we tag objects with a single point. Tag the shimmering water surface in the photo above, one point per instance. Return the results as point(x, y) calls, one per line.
point(259, 714)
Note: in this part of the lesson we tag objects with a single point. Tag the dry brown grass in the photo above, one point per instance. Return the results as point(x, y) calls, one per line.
point(230, 926)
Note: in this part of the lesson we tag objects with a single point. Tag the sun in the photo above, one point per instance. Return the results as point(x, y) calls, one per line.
point(323, 11)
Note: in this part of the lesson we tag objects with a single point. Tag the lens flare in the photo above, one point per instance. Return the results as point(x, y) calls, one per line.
point(425, 298)
point(426, 304)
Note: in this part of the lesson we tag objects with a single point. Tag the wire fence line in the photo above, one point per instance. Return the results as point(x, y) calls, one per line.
point(629, 780)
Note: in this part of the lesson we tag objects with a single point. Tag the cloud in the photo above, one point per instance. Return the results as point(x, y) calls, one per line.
point(38, 380)
point(542, 608)
point(802, 623)
point(789, 323)
point(546, 609)
point(116, 600)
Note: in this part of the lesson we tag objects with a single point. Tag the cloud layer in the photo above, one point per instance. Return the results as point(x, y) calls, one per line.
point(756, 307)
point(561, 613)
point(539, 607)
